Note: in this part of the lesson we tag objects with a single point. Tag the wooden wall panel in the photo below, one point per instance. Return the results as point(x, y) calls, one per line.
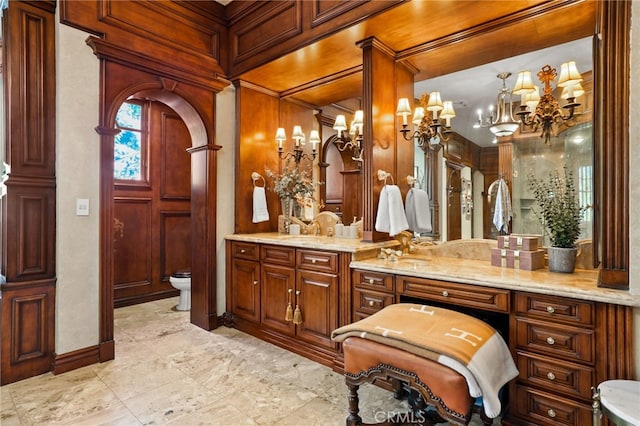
point(256, 149)
point(132, 246)
point(28, 222)
point(28, 329)
point(175, 181)
point(175, 243)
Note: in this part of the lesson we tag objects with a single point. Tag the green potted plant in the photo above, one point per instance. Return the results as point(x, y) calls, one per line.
point(560, 214)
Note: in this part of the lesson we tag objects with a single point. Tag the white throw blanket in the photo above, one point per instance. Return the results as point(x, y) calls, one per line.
point(417, 209)
point(260, 212)
point(502, 212)
point(391, 217)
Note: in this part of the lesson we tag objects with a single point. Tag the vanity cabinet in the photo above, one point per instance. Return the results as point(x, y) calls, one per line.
point(554, 346)
point(265, 278)
point(372, 291)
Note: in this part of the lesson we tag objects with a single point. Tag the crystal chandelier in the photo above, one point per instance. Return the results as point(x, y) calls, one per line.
point(545, 112)
point(430, 131)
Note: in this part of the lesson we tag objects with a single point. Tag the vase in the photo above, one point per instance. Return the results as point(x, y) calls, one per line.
point(562, 259)
point(287, 207)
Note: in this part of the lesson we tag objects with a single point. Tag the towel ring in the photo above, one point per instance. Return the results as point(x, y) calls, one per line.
point(413, 182)
point(255, 176)
point(382, 175)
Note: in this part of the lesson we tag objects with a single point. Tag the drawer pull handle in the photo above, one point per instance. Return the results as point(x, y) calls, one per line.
point(370, 280)
point(255, 282)
point(313, 261)
point(550, 340)
point(371, 303)
point(551, 413)
point(445, 293)
point(551, 376)
point(550, 309)
point(242, 251)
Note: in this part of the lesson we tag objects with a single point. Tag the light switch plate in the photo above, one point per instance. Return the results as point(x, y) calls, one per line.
point(82, 207)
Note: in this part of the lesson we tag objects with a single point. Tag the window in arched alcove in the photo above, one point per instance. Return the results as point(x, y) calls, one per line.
point(129, 145)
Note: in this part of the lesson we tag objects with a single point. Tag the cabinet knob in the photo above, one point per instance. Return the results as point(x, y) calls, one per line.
point(551, 376)
point(551, 413)
point(445, 293)
point(370, 280)
point(550, 340)
point(371, 303)
point(550, 309)
point(242, 251)
point(313, 261)
point(255, 282)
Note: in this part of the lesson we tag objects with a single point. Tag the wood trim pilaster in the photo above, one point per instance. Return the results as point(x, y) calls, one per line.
point(611, 91)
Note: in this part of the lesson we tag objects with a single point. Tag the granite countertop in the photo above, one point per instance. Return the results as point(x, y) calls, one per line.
point(582, 284)
point(318, 242)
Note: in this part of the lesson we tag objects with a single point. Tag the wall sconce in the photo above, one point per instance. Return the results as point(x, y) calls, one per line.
point(297, 153)
point(353, 139)
point(502, 123)
point(545, 112)
point(431, 131)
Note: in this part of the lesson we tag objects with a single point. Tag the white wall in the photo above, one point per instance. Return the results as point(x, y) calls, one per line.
point(634, 174)
point(77, 174)
point(225, 136)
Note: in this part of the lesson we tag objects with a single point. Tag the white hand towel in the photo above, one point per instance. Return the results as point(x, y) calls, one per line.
point(260, 212)
point(391, 217)
point(502, 212)
point(418, 212)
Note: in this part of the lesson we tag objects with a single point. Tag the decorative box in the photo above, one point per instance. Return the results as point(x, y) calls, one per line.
point(503, 241)
point(523, 242)
point(526, 260)
point(499, 257)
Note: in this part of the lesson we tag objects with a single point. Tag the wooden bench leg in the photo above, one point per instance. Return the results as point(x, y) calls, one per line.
point(354, 419)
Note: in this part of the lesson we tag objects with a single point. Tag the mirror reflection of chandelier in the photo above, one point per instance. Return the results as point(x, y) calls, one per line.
point(353, 139)
point(430, 131)
point(545, 112)
point(298, 135)
point(502, 122)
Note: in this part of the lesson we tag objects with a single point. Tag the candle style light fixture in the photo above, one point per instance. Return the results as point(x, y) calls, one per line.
point(545, 112)
point(502, 122)
point(431, 131)
point(297, 153)
point(353, 139)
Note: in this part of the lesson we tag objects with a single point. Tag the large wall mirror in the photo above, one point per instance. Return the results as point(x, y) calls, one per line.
point(460, 175)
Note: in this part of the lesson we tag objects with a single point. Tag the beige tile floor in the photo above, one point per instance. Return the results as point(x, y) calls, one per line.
point(168, 371)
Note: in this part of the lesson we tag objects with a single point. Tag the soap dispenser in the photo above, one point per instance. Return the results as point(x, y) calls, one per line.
point(339, 228)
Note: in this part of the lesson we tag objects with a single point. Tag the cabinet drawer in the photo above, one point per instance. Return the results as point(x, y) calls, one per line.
point(557, 309)
point(567, 378)
point(321, 261)
point(249, 251)
point(369, 302)
point(490, 299)
point(278, 255)
point(543, 408)
point(568, 343)
point(373, 281)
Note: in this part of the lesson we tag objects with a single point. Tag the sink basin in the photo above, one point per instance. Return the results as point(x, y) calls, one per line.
point(300, 238)
point(416, 263)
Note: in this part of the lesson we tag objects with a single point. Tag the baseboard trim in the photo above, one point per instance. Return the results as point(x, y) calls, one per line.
point(75, 359)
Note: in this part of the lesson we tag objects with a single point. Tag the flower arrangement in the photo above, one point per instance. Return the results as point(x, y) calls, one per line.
point(294, 183)
point(559, 210)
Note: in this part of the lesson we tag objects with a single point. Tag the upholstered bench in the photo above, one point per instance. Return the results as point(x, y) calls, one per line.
point(437, 357)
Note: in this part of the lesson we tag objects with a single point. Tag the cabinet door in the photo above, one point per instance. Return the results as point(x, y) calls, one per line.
point(276, 283)
point(246, 289)
point(318, 302)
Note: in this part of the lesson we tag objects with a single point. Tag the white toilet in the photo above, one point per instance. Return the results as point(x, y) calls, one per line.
point(182, 281)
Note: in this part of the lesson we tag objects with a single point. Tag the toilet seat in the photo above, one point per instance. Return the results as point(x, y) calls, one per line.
point(182, 274)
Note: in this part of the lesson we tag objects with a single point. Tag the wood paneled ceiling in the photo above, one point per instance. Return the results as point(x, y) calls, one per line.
point(436, 37)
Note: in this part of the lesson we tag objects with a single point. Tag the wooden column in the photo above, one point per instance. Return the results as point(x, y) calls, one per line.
point(28, 230)
point(611, 109)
